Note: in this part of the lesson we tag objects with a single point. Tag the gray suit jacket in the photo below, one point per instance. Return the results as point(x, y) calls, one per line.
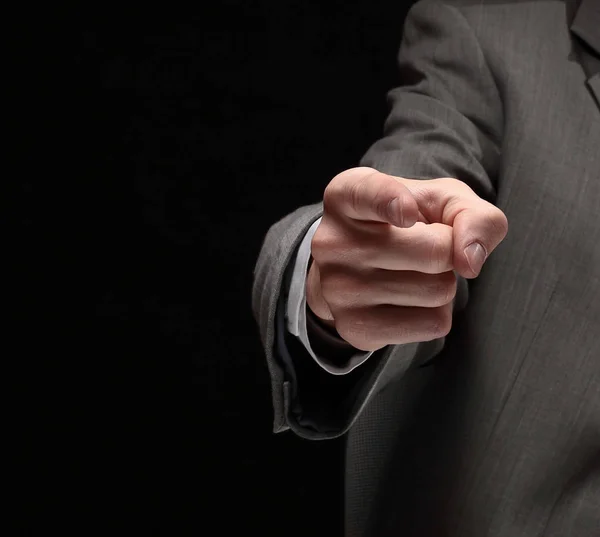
point(493, 431)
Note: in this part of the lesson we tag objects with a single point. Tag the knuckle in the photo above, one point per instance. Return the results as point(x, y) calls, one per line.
point(331, 195)
point(335, 190)
point(440, 322)
point(342, 290)
point(440, 252)
point(337, 246)
point(323, 241)
point(442, 289)
point(319, 238)
point(355, 192)
point(381, 203)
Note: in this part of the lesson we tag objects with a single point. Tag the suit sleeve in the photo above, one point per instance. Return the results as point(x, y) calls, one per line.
point(446, 121)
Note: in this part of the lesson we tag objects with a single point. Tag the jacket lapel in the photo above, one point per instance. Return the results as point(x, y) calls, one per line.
point(586, 26)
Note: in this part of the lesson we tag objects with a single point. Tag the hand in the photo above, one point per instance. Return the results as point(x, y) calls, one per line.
point(385, 251)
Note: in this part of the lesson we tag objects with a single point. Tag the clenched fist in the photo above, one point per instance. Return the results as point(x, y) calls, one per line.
point(385, 251)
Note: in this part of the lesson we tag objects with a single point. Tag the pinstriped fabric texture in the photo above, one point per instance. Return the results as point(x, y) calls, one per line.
point(494, 431)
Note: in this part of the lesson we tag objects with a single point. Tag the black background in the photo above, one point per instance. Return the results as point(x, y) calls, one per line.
point(166, 144)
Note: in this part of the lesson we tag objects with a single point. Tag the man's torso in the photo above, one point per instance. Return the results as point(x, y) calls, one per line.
point(500, 435)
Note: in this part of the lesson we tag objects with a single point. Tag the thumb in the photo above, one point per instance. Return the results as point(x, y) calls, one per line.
point(476, 231)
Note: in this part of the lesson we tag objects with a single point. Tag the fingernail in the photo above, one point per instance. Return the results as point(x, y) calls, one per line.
point(476, 256)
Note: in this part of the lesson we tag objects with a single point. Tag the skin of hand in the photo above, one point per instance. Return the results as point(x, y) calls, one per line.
point(385, 252)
